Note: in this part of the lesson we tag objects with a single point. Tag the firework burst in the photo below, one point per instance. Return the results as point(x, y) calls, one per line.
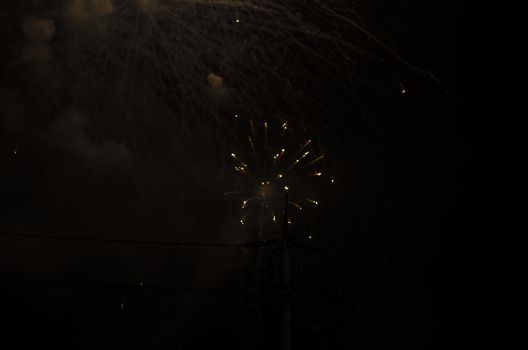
point(270, 160)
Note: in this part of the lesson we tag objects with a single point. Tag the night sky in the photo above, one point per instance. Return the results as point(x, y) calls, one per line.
point(140, 153)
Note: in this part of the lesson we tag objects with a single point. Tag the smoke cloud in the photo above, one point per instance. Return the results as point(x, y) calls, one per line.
point(71, 135)
point(147, 4)
point(37, 31)
point(216, 83)
point(90, 10)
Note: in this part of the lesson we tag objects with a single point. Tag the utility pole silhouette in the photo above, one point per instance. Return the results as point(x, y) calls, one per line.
point(284, 245)
point(286, 279)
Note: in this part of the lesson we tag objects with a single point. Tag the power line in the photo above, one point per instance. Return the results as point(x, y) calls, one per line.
point(135, 286)
point(121, 241)
point(99, 313)
point(117, 285)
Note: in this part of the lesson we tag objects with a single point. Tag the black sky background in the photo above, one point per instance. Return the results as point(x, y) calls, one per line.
point(391, 224)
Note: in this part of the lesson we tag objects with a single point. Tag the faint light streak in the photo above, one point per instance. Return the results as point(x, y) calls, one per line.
point(251, 143)
point(296, 205)
point(303, 146)
point(123, 299)
point(314, 161)
point(232, 193)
